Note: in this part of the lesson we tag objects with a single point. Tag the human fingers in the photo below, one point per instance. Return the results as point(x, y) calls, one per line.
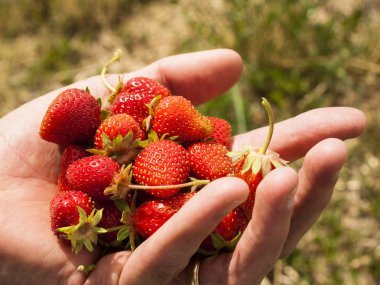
point(262, 241)
point(318, 175)
point(108, 269)
point(166, 253)
point(198, 76)
point(292, 138)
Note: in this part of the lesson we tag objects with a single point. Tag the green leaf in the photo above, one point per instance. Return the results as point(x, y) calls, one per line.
point(82, 213)
point(104, 114)
point(117, 141)
point(277, 163)
point(207, 252)
point(256, 165)
point(88, 244)
point(233, 242)
point(100, 230)
point(218, 241)
point(152, 136)
point(248, 163)
point(97, 217)
point(120, 204)
point(106, 142)
point(235, 154)
point(123, 233)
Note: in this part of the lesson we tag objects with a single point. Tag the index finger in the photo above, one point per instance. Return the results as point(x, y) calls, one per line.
point(198, 76)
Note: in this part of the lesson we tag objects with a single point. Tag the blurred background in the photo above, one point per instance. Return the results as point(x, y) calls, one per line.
point(301, 54)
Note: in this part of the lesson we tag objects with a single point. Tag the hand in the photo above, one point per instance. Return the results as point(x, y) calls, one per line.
point(30, 253)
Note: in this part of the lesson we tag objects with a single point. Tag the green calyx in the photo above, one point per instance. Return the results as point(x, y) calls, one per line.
point(85, 233)
point(125, 230)
point(123, 149)
point(259, 159)
point(152, 137)
point(220, 243)
point(121, 184)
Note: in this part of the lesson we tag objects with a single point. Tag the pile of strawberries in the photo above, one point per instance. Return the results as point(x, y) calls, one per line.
point(128, 167)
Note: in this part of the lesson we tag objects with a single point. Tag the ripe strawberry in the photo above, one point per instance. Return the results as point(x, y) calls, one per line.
point(63, 209)
point(72, 118)
point(162, 162)
point(92, 175)
point(227, 232)
point(115, 125)
point(63, 184)
point(209, 161)
point(221, 130)
point(151, 215)
point(135, 94)
point(73, 218)
point(252, 164)
point(118, 137)
point(111, 218)
point(176, 116)
point(253, 177)
point(69, 155)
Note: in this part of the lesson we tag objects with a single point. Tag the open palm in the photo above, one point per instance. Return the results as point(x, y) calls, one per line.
point(30, 253)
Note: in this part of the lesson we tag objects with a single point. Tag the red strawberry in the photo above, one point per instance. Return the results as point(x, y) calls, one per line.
point(111, 218)
point(176, 116)
point(73, 217)
point(209, 161)
point(252, 178)
point(151, 215)
point(69, 155)
point(63, 184)
point(63, 209)
point(118, 137)
point(227, 232)
point(136, 93)
point(161, 163)
point(221, 130)
point(92, 175)
point(252, 164)
point(113, 126)
point(72, 118)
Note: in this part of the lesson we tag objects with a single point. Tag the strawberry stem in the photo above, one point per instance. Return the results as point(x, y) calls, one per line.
point(269, 110)
point(160, 187)
point(115, 57)
point(113, 229)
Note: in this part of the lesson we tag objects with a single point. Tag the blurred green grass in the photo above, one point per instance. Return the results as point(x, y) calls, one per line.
point(301, 54)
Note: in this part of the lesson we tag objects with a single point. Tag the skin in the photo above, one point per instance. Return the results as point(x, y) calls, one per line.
point(288, 203)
